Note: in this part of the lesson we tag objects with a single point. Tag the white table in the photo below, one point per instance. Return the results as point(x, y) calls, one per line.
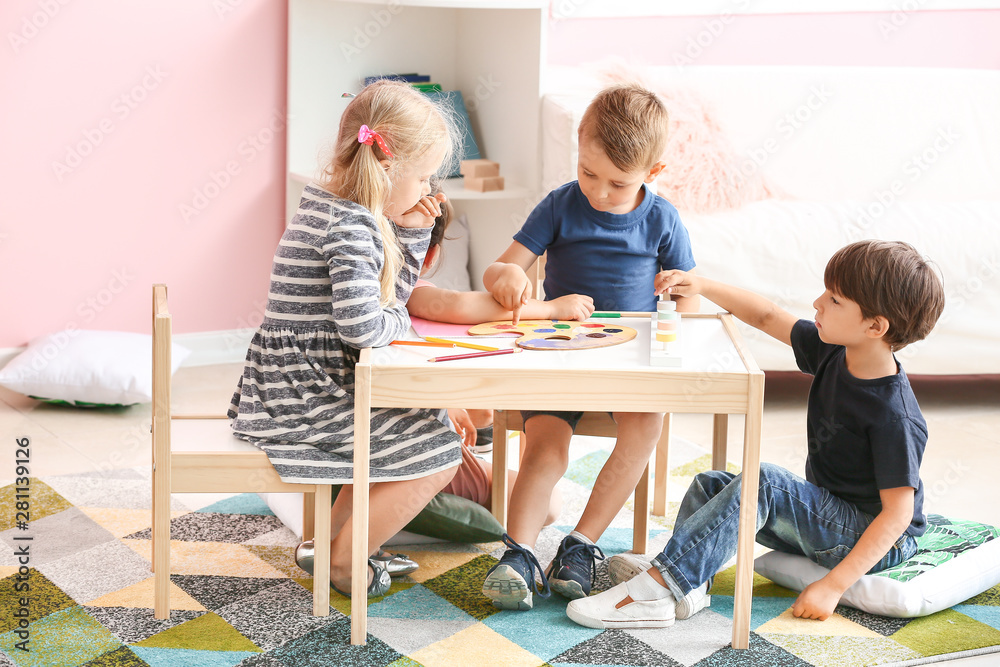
point(718, 376)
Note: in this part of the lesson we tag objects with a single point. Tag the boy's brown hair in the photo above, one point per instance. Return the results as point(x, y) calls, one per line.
point(630, 124)
point(890, 279)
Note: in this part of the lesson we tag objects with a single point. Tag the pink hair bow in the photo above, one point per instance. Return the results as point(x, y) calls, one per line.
point(367, 136)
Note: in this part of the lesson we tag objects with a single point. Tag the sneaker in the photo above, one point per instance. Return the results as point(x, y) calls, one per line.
point(623, 567)
point(605, 610)
point(572, 571)
point(509, 583)
point(484, 440)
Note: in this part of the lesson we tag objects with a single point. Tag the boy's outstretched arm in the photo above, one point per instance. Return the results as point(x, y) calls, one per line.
point(820, 598)
point(752, 308)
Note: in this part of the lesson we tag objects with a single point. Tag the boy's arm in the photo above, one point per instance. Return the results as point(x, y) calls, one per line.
point(752, 308)
point(442, 305)
point(507, 281)
point(820, 598)
point(687, 304)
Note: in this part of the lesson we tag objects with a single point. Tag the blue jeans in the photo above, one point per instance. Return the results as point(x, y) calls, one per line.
point(793, 515)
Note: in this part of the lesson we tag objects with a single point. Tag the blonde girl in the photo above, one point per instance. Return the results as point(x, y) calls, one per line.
point(341, 275)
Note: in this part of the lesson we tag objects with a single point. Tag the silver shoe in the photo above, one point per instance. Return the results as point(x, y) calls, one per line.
point(396, 564)
point(305, 555)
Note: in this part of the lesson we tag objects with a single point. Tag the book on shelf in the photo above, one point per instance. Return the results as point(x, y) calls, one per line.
point(409, 78)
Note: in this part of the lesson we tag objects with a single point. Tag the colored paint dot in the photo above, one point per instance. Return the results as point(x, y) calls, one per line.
point(561, 326)
point(544, 330)
point(594, 326)
point(505, 326)
point(612, 331)
point(597, 335)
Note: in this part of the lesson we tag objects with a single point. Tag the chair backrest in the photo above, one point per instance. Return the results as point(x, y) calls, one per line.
point(161, 374)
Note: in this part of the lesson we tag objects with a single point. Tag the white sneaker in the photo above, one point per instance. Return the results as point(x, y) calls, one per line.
point(623, 567)
point(602, 611)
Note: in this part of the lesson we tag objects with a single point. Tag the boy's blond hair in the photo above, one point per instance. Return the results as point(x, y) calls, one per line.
point(630, 124)
point(410, 123)
point(892, 280)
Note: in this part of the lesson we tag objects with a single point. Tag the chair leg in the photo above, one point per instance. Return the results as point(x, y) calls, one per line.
point(321, 501)
point(161, 541)
point(499, 491)
point(308, 516)
point(720, 441)
point(662, 470)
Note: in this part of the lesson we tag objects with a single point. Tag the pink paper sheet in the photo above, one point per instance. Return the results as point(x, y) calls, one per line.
point(428, 328)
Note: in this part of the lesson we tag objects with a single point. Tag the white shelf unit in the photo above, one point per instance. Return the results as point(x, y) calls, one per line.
point(491, 51)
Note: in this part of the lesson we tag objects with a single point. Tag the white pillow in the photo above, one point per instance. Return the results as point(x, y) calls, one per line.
point(452, 269)
point(955, 560)
point(87, 368)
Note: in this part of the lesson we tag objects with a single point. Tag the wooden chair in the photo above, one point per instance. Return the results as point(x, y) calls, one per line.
point(601, 424)
point(592, 423)
point(203, 456)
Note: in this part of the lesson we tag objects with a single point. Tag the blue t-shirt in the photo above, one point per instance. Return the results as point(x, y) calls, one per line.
point(864, 435)
point(610, 257)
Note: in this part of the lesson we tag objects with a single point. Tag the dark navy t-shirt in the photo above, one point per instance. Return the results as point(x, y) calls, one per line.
point(610, 257)
point(864, 435)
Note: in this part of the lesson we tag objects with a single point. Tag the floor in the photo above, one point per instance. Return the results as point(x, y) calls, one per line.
point(959, 467)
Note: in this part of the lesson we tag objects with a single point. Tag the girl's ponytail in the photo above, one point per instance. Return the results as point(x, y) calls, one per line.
point(365, 181)
point(409, 123)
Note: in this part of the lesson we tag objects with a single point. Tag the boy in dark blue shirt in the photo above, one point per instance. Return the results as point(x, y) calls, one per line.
point(861, 504)
point(606, 236)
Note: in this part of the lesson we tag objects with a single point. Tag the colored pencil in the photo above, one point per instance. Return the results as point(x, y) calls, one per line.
point(474, 355)
point(615, 315)
point(422, 343)
point(456, 343)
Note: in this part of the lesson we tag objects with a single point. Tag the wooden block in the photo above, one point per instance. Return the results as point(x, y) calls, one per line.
point(479, 168)
point(488, 184)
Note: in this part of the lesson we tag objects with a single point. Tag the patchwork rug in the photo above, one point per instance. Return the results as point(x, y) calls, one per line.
point(237, 596)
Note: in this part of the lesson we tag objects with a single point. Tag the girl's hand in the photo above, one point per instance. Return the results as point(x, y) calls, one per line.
point(423, 212)
point(512, 289)
point(571, 307)
point(817, 600)
point(677, 283)
point(462, 422)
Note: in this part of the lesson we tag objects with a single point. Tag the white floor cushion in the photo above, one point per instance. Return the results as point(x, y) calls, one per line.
point(955, 561)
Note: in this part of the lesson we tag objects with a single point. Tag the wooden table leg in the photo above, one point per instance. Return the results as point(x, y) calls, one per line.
point(500, 467)
point(661, 471)
point(320, 519)
point(640, 514)
point(359, 520)
point(748, 514)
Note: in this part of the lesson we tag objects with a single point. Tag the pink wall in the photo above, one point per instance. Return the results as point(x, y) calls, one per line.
point(114, 114)
point(916, 39)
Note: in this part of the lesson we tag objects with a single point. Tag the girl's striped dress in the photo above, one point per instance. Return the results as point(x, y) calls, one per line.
point(295, 399)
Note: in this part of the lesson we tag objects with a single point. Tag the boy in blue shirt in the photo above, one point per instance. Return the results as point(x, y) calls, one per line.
point(861, 504)
point(607, 236)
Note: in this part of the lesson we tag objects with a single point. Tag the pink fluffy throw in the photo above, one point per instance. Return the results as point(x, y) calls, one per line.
point(703, 172)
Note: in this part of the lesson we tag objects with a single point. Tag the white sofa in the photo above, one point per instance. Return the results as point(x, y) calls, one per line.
point(898, 153)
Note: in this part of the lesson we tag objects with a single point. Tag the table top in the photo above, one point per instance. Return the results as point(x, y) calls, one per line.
point(713, 376)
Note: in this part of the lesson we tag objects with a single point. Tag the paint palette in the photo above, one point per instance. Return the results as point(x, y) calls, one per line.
point(557, 334)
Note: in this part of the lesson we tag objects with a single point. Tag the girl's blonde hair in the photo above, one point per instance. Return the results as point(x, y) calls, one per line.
point(410, 123)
